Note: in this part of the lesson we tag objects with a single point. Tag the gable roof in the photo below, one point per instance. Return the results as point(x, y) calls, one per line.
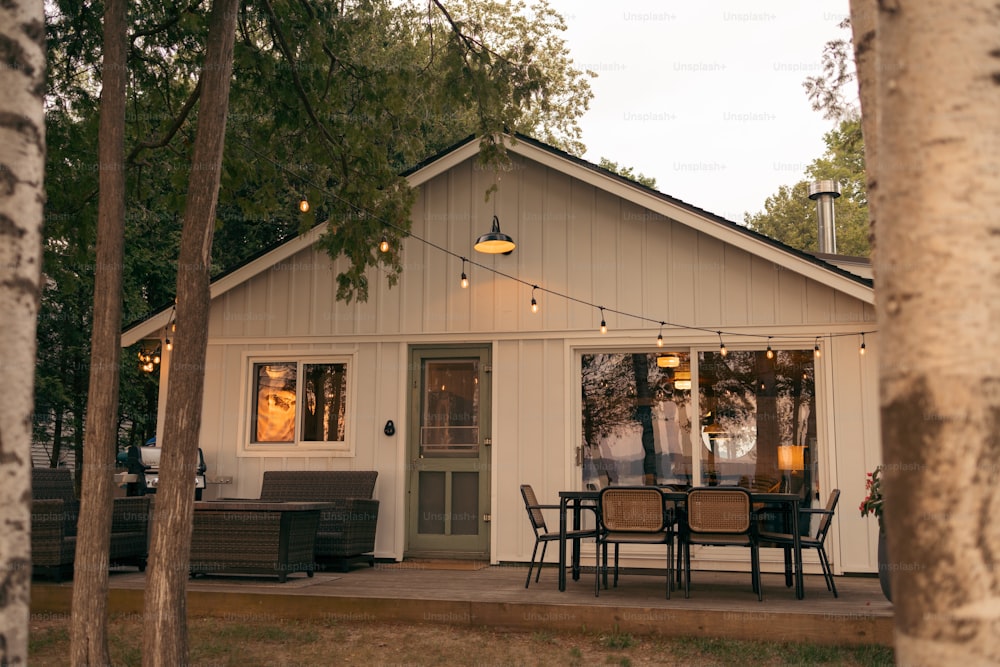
point(785, 256)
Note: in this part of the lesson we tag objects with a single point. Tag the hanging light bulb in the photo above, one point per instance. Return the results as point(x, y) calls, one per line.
point(816, 348)
point(534, 304)
point(304, 205)
point(770, 352)
point(604, 325)
point(722, 346)
point(861, 350)
point(170, 345)
point(384, 245)
point(465, 279)
point(659, 337)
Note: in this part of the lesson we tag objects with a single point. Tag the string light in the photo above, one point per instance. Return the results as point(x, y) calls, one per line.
point(816, 348)
point(534, 304)
point(170, 346)
point(465, 279)
point(384, 245)
point(304, 206)
point(659, 337)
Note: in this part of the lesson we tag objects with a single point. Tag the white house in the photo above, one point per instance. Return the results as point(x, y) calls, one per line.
point(483, 394)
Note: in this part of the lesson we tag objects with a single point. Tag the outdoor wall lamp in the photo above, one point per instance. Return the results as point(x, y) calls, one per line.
point(495, 242)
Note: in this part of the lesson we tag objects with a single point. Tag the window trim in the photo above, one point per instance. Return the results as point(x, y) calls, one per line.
point(298, 447)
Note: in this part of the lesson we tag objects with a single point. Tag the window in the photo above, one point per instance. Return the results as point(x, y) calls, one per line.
point(749, 419)
point(758, 419)
point(299, 402)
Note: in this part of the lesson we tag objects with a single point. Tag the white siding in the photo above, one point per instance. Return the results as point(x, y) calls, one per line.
point(574, 239)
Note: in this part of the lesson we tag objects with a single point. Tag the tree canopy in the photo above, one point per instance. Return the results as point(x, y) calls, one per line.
point(330, 102)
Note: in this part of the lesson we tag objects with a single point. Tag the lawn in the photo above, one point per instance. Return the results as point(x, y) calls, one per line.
point(245, 641)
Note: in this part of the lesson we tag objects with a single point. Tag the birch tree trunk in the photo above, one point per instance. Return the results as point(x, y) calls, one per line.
point(864, 29)
point(937, 104)
point(89, 632)
point(165, 638)
point(22, 166)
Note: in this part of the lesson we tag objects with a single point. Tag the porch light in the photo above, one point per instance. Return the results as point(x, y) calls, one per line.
point(495, 242)
point(149, 360)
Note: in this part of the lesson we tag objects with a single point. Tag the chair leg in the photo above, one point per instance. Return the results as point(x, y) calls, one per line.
point(541, 561)
point(687, 569)
point(827, 571)
point(604, 571)
point(755, 565)
point(597, 568)
point(670, 562)
point(531, 564)
point(616, 566)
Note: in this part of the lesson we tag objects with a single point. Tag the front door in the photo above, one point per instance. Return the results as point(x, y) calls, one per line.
point(449, 453)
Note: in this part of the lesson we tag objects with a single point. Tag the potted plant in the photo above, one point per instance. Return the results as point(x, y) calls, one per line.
point(872, 504)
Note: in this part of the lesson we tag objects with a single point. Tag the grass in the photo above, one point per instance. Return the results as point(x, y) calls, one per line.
point(265, 641)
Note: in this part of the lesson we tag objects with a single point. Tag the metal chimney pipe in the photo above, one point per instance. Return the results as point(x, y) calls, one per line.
point(823, 193)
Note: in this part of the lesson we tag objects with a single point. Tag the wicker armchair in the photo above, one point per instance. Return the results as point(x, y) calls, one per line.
point(54, 514)
point(632, 515)
point(346, 533)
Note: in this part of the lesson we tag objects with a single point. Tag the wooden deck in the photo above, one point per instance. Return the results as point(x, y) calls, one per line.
point(721, 604)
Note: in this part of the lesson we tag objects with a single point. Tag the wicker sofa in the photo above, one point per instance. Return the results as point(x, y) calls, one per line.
point(346, 533)
point(54, 514)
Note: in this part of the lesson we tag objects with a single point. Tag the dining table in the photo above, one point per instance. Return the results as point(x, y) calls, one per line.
point(575, 501)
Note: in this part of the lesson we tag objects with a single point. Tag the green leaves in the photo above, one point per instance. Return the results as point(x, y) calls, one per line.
point(790, 216)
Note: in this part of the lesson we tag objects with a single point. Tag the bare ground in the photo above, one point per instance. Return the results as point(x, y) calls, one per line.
point(237, 643)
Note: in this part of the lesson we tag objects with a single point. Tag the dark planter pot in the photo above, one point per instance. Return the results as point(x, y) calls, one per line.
point(883, 567)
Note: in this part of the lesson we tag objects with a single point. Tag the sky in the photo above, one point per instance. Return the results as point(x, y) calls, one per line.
point(705, 97)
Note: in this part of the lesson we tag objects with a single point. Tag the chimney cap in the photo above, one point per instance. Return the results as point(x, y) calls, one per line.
point(819, 188)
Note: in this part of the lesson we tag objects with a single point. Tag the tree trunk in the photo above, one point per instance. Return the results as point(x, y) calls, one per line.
point(165, 637)
point(89, 633)
point(644, 415)
point(938, 305)
point(22, 168)
point(864, 25)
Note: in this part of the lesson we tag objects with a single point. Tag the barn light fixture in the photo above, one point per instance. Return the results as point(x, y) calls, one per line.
point(495, 242)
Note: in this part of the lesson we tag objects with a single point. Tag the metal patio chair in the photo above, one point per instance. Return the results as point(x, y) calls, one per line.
point(542, 534)
point(816, 541)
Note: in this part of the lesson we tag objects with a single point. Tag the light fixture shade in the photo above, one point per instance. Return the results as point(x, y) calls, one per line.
point(495, 242)
point(668, 361)
point(791, 457)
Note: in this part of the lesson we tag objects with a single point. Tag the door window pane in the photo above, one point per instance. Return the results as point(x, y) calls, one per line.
point(465, 503)
point(274, 408)
point(432, 503)
point(449, 418)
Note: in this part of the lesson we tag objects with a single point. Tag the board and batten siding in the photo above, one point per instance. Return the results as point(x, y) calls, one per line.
point(574, 239)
